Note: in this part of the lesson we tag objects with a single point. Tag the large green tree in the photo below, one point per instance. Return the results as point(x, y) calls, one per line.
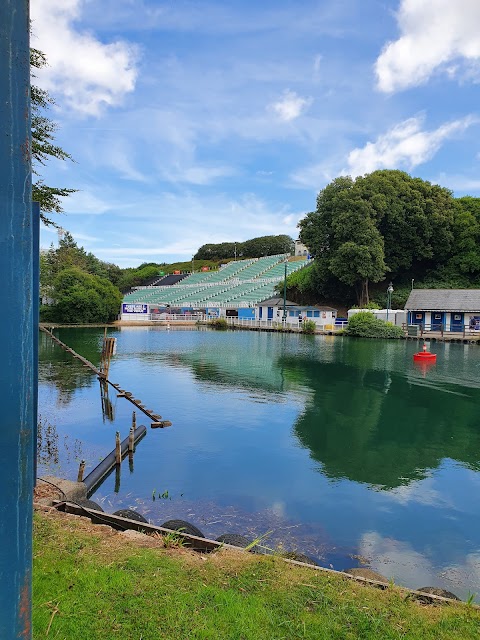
point(43, 145)
point(383, 223)
point(83, 298)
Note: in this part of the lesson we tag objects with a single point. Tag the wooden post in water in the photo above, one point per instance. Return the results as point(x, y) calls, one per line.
point(118, 449)
point(131, 440)
point(134, 420)
point(81, 469)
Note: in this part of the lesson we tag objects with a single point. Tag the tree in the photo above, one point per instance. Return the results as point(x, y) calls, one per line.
point(83, 298)
point(383, 222)
point(43, 145)
point(254, 248)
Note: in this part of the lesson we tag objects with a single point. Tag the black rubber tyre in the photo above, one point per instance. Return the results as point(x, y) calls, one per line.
point(234, 539)
point(130, 514)
point(89, 504)
point(183, 527)
point(436, 591)
point(299, 557)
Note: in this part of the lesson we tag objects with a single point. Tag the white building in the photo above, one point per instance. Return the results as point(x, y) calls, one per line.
point(301, 249)
point(395, 316)
point(273, 309)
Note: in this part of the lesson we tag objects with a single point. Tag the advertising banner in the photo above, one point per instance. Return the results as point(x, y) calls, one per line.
point(134, 308)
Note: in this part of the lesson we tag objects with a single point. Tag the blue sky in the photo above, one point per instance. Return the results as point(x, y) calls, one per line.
point(194, 122)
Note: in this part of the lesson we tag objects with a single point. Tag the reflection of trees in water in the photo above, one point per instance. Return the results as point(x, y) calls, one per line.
point(53, 450)
point(219, 369)
point(374, 427)
point(61, 369)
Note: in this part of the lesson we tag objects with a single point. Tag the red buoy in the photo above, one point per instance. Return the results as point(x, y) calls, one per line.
point(425, 356)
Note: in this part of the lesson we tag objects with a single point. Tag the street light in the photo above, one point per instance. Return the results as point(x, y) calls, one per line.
point(193, 264)
point(285, 295)
point(389, 297)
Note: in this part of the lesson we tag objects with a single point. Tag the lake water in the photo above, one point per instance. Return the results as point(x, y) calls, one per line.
point(341, 448)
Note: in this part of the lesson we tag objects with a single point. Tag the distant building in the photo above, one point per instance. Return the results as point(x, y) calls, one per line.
point(301, 249)
point(444, 309)
point(272, 309)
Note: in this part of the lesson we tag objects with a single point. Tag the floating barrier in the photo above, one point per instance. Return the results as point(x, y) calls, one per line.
point(106, 466)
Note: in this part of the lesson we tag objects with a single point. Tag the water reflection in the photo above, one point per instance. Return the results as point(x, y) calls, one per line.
point(378, 428)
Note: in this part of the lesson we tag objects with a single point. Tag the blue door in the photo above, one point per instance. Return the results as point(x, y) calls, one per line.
point(456, 322)
point(417, 317)
point(437, 321)
point(270, 313)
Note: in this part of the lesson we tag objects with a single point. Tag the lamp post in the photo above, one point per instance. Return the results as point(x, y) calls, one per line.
point(193, 264)
point(285, 295)
point(389, 297)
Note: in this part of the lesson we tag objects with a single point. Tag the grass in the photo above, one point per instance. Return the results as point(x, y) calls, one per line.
point(89, 582)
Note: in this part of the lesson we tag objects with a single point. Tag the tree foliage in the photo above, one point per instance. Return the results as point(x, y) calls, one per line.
point(364, 325)
point(78, 286)
point(254, 248)
point(387, 224)
point(43, 145)
point(84, 298)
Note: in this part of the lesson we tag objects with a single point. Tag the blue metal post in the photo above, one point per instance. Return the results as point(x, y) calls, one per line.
point(19, 360)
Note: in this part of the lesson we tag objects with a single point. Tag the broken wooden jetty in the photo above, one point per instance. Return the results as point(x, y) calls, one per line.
point(156, 421)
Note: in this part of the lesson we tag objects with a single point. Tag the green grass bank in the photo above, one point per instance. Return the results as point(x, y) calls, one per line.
point(92, 582)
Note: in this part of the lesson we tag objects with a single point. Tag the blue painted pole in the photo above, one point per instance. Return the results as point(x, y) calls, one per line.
point(19, 360)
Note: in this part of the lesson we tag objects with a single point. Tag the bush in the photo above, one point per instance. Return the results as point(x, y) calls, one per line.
point(309, 326)
point(220, 323)
point(364, 325)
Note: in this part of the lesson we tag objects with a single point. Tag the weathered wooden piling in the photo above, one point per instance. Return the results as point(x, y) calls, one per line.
point(131, 440)
point(81, 470)
point(118, 448)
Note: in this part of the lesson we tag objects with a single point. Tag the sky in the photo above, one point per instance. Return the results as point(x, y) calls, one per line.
point(221, 120)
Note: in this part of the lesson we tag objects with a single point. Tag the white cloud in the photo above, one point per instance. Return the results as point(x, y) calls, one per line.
point(434, 34)
point(290, 106)
point(314, 176)
point(88, 73)
point(404, 146)
point(84, 202)
point(196, 174)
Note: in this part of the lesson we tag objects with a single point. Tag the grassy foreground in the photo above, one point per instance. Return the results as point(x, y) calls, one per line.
point(92, 583)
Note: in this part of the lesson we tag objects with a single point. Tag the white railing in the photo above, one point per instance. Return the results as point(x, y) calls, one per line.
point(294, 323)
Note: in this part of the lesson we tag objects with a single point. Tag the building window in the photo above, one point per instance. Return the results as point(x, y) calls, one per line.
point(437, 316)
point(316, 314)
point(418, 316)
point(309, 314)
point(291, 313)
point(457, 316)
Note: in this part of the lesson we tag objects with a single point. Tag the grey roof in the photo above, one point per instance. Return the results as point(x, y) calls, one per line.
point(276, 302)
point(444, 300)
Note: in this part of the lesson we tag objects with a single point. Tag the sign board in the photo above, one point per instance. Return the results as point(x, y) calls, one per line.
point(134, 308)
